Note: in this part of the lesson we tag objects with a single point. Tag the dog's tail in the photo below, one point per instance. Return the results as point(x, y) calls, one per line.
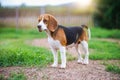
point(88, 31)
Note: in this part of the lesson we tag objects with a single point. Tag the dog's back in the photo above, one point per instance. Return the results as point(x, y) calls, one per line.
point(72, 33)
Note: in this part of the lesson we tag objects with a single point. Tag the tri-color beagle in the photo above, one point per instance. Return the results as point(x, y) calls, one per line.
point(60, 37)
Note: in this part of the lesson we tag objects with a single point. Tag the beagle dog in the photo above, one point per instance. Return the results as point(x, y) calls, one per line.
point(61, 38)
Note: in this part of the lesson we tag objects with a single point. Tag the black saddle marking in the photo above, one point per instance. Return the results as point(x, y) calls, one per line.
point(72, 33)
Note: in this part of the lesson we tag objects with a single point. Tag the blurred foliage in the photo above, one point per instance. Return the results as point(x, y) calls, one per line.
point(108, 14)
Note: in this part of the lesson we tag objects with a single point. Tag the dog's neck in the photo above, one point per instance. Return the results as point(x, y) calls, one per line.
point(48, 33)
point(52, 34)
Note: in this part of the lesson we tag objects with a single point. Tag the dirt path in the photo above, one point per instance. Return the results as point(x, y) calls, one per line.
point(74, 71)
point(110, 40)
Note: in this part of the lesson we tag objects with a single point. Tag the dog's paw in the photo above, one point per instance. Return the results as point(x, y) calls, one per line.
point(63, 66)
point(54, 65)
point(80, 61)
point(86, 62)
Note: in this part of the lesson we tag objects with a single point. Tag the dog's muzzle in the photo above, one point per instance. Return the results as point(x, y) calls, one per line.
point(39, 28)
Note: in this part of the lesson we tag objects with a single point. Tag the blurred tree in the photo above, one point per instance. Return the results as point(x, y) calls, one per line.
point(23, 5)
point(0, 5)
point(108, 14)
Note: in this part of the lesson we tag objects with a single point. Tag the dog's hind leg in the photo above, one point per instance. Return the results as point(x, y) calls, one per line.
point(55, 55)
point(85, 47)
point(80, 59)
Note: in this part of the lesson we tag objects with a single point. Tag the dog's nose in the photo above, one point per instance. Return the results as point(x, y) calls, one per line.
point(39, 26)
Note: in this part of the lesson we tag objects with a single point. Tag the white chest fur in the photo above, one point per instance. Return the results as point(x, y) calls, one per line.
point(54, 43)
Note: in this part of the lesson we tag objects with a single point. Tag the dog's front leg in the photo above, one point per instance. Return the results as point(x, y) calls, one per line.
point(55, 55)
point(63, 56)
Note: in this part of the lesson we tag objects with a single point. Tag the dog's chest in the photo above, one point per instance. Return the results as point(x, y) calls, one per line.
point(54, 43)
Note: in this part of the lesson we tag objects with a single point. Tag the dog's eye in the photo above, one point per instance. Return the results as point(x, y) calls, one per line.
point(45, 21)
point(39, 20)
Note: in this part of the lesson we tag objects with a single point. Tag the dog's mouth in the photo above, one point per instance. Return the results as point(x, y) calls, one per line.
point(40, 30)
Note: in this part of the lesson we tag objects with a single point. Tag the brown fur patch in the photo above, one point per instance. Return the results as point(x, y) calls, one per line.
point(60, 35)
point(83, 36)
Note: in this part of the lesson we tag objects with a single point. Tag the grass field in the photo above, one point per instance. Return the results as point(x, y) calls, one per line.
point(14, 76)
point(15, 52)
point(105, 33)
point(104, 50)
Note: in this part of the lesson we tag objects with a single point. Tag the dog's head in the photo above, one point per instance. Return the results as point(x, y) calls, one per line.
point(47, 22)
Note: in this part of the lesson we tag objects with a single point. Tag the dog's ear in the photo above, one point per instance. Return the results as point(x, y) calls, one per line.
point(52, 25)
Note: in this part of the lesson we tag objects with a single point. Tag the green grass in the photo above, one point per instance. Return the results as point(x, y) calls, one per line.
point(113, 68)
point(105, 33)
point(12, 33)
point(17, 76)
point(17, 53)
point(14, 76)
point(14, 51)
point(103, 50)
point(2, 77)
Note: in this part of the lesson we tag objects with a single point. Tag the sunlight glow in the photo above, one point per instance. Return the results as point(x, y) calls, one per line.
point(84, 3)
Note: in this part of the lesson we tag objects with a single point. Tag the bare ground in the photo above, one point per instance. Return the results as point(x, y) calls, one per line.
point(74, 71)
